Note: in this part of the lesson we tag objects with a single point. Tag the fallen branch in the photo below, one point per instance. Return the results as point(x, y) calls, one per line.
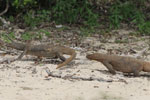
point(6, 9)
point(6, 24)
point(74, 77)
point(8, 61)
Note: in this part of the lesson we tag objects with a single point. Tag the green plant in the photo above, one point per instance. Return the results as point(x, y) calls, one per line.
point(125, 12)
point(122, 12)
point(144, 28)
point(74, 11)
point(30, 36)
point(22, 4)
point(45, 32)
point(115, 17)
point(5, 36)
point(43, 15)
point(33, 18)
point(138, 18)
point(128, 11)
point(142, 25)
point(91, 18)
point(27, 36)
point(87, 31)
point(39, 35)
point(29, 19)
point(11, 19)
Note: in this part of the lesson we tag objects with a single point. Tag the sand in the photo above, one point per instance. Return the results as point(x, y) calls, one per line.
point(23, 80)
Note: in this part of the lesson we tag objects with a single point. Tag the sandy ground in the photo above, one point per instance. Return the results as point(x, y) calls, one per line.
point(23, 80)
